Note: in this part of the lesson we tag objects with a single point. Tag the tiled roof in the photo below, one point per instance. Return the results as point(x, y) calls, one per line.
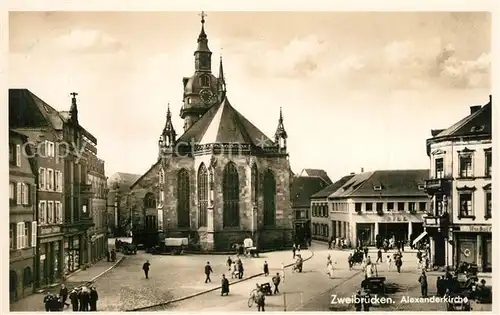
point(28, 110)
point(303, 187)
point(224, 124)
point(332, 188)
point(384, 183)
point(318, 173)
point(477, 123)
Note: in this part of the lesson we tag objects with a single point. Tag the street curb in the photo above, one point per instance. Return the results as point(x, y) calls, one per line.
point(88, 283)
point(207, 291)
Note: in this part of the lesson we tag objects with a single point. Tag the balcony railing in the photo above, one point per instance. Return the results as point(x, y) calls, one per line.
point(437, 185)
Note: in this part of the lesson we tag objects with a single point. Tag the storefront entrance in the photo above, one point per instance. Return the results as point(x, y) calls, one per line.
point(72, 253)
point(466, 248)
point(365, 234)
point(398, 230)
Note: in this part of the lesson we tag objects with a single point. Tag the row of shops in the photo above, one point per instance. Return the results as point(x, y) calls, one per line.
point(60, 255)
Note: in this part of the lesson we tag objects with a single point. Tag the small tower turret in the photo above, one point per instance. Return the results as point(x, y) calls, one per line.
point(168, 135)
point(221, 82)
point(280, 136)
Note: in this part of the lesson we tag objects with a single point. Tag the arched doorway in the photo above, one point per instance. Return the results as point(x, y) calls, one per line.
point(13, 285)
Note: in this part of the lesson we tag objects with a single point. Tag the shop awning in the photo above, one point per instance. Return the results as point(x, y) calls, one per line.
point(419, 238)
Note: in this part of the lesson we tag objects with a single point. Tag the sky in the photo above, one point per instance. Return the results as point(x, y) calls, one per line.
point(358, 89)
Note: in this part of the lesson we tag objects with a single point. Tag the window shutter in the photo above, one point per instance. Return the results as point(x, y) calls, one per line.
point(25, 235)
point(19, 193)
point(18, 155)
point(19, 231)
point(33, 233)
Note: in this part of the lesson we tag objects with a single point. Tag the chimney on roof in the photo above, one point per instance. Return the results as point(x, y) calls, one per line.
point(474, 109)
point(362, 170)
point(490, 98)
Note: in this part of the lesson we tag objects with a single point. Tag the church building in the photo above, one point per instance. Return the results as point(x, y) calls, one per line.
point(222, 180)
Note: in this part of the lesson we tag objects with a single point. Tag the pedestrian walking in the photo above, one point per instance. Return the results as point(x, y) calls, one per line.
point(261, 301)
point(108, 256)
point(94, 296)
point(224, 285)
point(229, 262)
point(208, 270)
point(63, 293)
point(145, 267)
point(399, 263)
point(294, 249)
point(266, 269)
point(240, 269)
point(73, 297)
point(46, 301)
point(379, 256)
point(276, 281)
point(389, 262)
point(423, 284)
point(366, 251)
point(350, 261)
point(234, 270)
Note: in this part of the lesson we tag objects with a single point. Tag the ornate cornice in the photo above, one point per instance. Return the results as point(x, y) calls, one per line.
point(466, 151)
point(466, 188)
point(438, 152)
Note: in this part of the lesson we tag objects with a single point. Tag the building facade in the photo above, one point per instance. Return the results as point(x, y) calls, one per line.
point(119, 223)
point(460, 186)
point(61, 147)
point(387, 203)
point(320, 222)
point(222, 180)
point(41, 124)
point(22, 217)
point(98, 209)
point(303, 187)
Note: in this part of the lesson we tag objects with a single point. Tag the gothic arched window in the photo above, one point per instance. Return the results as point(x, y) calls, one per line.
point(255, 184)
point(269, 199)
point(149, 200)
point(205, 80)
point(182, 198)
point(202, 195)
point(231, 195)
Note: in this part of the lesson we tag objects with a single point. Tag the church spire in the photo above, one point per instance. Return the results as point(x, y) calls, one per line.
point(168, 135)
point(202, 38)
point(280, 136)
point(73, 111)
point(221, 81)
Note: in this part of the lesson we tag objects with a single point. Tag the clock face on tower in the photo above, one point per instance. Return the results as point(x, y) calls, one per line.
point(206, 96)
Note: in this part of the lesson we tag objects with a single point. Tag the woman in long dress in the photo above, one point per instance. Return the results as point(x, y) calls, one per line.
point(329, 268)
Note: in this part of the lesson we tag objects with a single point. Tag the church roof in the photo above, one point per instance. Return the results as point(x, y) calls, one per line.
point(327, 191)
point(224, 124)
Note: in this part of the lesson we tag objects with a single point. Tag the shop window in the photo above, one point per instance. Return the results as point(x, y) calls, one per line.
point(466, 207)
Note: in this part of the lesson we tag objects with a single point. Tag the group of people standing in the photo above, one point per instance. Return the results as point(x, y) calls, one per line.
point(82, 299)
point(235, 268)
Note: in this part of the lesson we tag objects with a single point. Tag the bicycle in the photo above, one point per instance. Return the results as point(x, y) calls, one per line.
point(251, 300)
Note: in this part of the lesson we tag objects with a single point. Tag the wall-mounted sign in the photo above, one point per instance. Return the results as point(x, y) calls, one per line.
point(47, 230)
point(475, 228)
point(394, 218)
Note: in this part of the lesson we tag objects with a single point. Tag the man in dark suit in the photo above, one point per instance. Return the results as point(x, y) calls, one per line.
point(208, 271)
point(145, 267)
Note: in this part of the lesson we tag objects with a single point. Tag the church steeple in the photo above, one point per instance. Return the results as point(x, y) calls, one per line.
point(221, 82)
point(280, 136)
point(203, 55)
point(168, 135)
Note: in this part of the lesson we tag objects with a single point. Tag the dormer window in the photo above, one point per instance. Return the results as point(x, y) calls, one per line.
point(377, 187)
point(421, 186)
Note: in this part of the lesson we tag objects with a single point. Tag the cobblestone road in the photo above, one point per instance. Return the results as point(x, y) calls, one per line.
point(312, 290)
point(170, 277)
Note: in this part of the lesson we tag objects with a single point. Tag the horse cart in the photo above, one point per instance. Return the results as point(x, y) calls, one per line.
point(374, 284)
point(128, 249)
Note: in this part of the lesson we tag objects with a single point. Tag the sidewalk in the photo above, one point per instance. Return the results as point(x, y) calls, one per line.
point(34, 302)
